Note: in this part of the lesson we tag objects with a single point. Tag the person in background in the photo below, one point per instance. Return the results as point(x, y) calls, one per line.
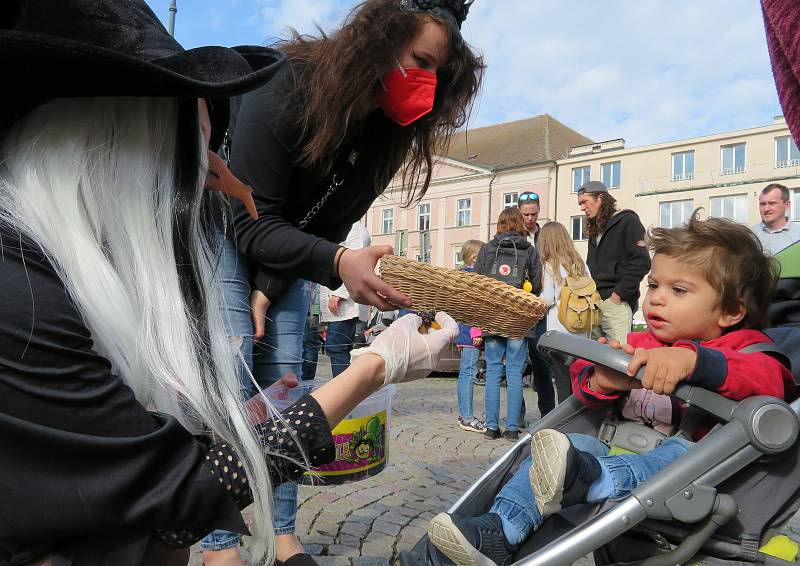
point(341, 312)
point(617, 257)
point(469, 343)
point(775, 231)
point(508, 257)
point(312, 341)
point(559, 259)
point(542, 372)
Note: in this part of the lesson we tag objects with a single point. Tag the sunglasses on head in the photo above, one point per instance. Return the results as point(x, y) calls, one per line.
point(528, 196)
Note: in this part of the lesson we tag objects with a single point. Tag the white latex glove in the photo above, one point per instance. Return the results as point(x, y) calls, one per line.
point(409, 355)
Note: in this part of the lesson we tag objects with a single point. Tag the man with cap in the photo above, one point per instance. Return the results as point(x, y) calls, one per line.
point(617, 258)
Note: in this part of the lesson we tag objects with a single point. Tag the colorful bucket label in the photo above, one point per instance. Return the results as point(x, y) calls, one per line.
point(360, 446)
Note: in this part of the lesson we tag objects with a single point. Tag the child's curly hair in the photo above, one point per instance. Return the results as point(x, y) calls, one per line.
point(731, 259)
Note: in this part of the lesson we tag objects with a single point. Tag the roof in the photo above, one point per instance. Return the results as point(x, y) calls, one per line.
point(522, 142)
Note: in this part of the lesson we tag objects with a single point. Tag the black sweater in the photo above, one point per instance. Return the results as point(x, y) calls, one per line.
point(265, 149)
point(86, 470)
point(620, 261)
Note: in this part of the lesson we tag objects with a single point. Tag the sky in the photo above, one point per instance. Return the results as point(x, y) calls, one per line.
point(647, 71)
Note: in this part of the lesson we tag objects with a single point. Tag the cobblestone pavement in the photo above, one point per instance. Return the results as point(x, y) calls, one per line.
point(432, 462)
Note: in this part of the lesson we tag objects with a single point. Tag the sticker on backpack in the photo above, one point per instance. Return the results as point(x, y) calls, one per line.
point(504, 270)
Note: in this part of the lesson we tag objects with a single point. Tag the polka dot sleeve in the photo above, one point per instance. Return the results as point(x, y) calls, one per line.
point(305, 428)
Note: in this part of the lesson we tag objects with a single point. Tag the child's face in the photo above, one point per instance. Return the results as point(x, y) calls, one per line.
point(681, 304)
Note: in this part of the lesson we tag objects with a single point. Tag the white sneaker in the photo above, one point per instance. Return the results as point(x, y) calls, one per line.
point(472, 425)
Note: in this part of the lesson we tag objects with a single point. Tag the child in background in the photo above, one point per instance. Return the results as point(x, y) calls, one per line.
point(469, 342)
point(708, 298)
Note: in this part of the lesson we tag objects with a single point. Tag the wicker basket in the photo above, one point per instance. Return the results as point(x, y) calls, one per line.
point(477, 300)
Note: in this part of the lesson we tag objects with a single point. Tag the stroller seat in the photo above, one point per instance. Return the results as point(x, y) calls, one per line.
point(714, 504)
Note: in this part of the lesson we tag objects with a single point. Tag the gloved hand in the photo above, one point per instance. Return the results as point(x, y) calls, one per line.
point(409, 355)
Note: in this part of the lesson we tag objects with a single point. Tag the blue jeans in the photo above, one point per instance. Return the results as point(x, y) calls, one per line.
point(466, 380)
point(280, 352)
point(339, 342)
point(542, 371)
point(620, 475)
point(233, 276)
point(311, 343)
point(514, 351)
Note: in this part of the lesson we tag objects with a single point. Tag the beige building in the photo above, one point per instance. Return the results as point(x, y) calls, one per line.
point(722, 173)
point(484, 171)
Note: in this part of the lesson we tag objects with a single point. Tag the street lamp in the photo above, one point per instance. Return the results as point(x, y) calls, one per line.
point(173, 9)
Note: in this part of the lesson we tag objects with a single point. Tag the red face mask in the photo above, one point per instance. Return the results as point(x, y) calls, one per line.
point(408, 94)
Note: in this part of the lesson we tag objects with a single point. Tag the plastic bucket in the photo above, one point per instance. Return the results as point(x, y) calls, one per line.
point(361, 438)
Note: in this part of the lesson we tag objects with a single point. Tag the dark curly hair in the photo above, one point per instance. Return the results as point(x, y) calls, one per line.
point(597, 225)
point(346, 68)
point(731, 259)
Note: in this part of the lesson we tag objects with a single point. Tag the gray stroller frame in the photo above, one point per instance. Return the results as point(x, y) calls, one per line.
point(699, 503)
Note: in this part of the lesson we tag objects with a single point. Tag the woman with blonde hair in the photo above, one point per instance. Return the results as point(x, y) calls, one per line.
point(559, 260)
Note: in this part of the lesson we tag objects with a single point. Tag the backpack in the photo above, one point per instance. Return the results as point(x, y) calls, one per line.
point(510, 265)
point(579, 305)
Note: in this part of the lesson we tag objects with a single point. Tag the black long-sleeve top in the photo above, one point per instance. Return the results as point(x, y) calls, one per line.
point(265, 151)
point(86, 471)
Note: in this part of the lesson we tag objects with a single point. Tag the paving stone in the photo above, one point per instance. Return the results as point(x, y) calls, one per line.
point(370, 561)
point(342, 550)
point(356, 529)
point(349, 540)
point(332, 560)
point(381, 526)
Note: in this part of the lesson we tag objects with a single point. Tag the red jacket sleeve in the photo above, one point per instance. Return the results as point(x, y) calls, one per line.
point(723, 368)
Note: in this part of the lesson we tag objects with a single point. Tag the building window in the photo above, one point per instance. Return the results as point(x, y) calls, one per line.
point(683, 166)
point(794, 210)
point(401, 243)
point(464, 208)
point(509, 199)
point(675, 213)
point(786, 154)
point(732, 159)
point(424, 216)
point(388, 221)
point(580, 176)
point(611, 173)
point(577, 228)
point(458, 260)
point(733, 207)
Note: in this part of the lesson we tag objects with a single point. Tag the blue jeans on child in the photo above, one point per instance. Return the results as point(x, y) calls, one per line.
point(467, 371)
point(620, 475)
point(514, 351)
point(339, 343)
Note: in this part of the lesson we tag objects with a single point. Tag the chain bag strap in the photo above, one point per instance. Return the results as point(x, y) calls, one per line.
point(337, 179)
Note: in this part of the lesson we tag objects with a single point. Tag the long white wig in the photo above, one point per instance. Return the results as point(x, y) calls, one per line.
point(111, 189)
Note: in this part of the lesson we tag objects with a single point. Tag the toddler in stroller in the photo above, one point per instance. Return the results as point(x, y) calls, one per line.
point(707, 300)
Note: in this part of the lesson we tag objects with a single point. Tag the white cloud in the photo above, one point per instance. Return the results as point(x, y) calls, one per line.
point(303, 15)
point(647, 71)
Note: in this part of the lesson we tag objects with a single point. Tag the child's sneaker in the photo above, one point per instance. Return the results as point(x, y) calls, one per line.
point(560, 474)
point(471, 541)
point(480, 379)
point(472, 425)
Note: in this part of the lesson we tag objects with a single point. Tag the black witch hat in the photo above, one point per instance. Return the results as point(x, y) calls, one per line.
point(73, 48)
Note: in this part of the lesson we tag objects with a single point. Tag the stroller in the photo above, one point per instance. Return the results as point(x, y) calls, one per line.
point(714, 505)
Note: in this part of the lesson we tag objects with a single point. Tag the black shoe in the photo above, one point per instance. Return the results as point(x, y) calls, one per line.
point(492, 433)
point(473, 541)
point(512, 435)
point(560, 474)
